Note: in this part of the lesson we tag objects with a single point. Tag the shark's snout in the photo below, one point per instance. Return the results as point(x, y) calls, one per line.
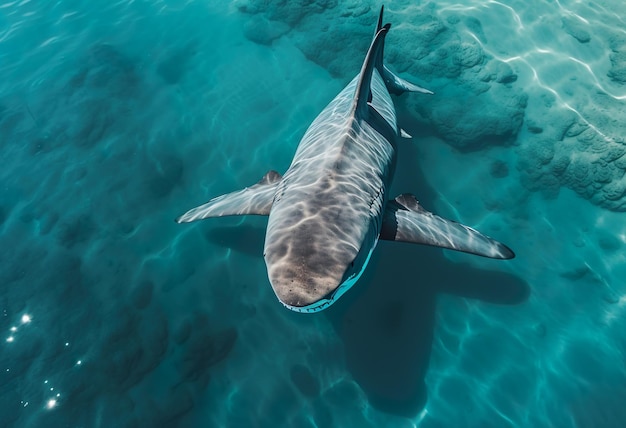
point(297, 286)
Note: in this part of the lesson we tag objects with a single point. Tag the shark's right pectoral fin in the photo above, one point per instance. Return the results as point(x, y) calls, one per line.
point(255, 199)
point(406, 221)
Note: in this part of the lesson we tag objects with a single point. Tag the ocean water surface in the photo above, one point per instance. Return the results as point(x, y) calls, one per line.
point(116, 117)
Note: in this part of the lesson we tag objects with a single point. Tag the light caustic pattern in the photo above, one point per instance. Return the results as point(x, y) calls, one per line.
point(563, 348)
point(531, 35)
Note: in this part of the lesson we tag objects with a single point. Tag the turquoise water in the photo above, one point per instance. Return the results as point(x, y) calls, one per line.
point(115, 117)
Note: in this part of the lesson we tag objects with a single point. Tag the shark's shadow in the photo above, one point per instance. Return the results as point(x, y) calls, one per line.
point(245, 238)
point(386, 321)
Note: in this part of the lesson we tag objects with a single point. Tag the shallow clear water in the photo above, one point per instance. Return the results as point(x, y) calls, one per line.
point(115, 117)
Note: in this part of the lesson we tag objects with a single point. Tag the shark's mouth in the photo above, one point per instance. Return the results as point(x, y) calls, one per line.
point(335, 295)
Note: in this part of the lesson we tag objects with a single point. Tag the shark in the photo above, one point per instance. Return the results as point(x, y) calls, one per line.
point(331, 207)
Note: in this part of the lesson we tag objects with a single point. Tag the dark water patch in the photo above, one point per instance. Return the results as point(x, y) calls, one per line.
point(125, 227)
point(68, 275)
point(97, 121)
point(164, 175)
point(182, 332)
point(141, 295)
point(204, 350)
point(78, 80)
point(606, 241)
point(245, 239)
point(98, 101)
point(133, 348)
point(4, 213)
point(77, 230)
point(122, 353)
point(29, 213)
point(174, 67)
point(601, 405)
point(35, 272)
point(106, 55)
point(124, 364)
point(499, 169)
point(579, 273)
point(303, 379)
point(38, 145)
point(108, 67)
point(179, 402)
point(10, 123)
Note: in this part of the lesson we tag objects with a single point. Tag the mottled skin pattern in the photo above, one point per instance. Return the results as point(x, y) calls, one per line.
point(328, 208)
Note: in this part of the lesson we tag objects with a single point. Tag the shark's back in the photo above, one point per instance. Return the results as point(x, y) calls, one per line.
point(327, 211)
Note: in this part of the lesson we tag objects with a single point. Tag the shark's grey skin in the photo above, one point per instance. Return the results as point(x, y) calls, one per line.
point(327, 213)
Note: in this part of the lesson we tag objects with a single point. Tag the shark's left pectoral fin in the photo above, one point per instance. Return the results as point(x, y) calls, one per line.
point(255, 199)
point(406, 221)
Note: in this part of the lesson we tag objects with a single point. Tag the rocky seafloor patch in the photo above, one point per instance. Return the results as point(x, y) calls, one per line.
point(480, 99)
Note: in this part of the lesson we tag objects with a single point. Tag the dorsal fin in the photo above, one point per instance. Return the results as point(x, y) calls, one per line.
point(363, 90)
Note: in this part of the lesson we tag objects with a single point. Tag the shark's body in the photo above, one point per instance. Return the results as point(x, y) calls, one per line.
point(327, 213)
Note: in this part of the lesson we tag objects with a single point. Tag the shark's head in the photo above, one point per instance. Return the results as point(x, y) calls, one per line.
point(309, 273)
point(302, 291)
